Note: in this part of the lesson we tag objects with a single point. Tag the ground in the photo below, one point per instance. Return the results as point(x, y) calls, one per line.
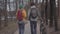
point(49, 30)
point(13, 29)
point(27, 29)
point(10, 29)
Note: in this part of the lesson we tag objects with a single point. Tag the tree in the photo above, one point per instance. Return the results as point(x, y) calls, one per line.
point(16, 4)
point(5, 12)
point(46, 16)
point(42, 9)
point(0, 21)
point(53, 13)
point(9, 6)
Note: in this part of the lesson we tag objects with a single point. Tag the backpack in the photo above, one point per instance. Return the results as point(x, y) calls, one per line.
point(19, 15)
point(33, 13)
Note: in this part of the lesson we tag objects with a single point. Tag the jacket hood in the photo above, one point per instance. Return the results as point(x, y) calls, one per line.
point(33, 6)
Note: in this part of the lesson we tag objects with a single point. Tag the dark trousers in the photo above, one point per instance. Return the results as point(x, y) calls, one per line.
point(21, 28)
point(33, 25)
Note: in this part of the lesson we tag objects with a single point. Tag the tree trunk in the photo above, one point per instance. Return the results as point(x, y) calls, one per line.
point(53, 13)
point(0, 18)
point(16, 4)
point(42, 9)
point(46, 17)
point(9, 6)
point(5, 12)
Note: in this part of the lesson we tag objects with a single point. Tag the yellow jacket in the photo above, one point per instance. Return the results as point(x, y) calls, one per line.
point(24, 14)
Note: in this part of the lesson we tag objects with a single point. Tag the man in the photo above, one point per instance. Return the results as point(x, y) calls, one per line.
point(21, 15)
point(33, 15)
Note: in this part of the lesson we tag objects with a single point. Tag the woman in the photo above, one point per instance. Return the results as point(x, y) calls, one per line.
point(21, 15)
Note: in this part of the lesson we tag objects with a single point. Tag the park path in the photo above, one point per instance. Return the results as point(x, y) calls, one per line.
point(27, 29)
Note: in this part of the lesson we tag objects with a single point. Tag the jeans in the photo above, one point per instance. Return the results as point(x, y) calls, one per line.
point(21, 28)
point(33, 25)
